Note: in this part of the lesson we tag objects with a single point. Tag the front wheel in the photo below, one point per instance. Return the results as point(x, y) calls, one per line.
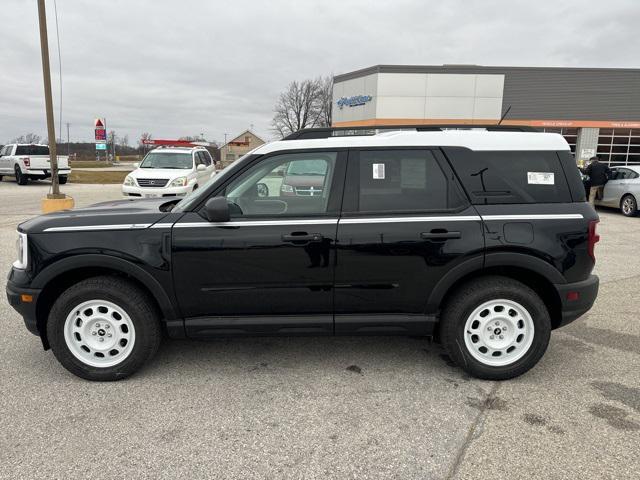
point(103, 328)
point(629, 206)
point(495, 328)
point(62, 179)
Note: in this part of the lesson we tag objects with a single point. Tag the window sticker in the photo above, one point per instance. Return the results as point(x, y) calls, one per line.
point(540, 178)
point(378, 171)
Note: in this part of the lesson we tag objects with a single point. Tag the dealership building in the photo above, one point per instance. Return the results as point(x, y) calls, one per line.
point(597, 110)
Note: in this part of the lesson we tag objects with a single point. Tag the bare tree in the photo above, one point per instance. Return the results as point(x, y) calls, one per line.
point(325, 100)
point(124, 141)
point(28, 138)
point(145, 136)
point(297, 107)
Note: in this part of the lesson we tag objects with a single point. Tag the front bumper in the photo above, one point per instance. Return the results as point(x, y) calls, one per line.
point(577, 298)
point(26, 309)
point(155, 192)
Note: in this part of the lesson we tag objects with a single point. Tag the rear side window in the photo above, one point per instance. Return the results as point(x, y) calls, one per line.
point(398, 181)
point(510, 177)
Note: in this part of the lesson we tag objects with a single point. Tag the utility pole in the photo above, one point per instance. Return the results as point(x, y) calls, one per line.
point(68, 140)
point(46, 73)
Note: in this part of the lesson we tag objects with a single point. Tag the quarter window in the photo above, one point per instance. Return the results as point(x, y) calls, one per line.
point(402, 181)
point(510, 177)
point(290, 184)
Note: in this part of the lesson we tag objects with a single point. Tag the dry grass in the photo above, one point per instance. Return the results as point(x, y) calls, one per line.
point(79, 176)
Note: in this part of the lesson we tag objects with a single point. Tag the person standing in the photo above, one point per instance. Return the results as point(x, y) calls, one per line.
point(598, 175)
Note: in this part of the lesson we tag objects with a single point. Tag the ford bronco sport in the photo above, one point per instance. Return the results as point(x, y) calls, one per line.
point(479, 238)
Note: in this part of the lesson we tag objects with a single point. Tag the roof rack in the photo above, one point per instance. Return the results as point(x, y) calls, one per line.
point(326, 132)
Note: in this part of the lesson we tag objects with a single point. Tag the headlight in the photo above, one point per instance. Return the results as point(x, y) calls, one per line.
point(286, 188)
point(128, 181)
point(179, 182)
point(21, 247)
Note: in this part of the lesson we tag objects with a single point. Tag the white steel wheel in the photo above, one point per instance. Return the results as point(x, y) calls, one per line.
point(499, 332)
point(99, 333)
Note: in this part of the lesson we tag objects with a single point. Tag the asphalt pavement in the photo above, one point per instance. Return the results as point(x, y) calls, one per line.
point(350, 407)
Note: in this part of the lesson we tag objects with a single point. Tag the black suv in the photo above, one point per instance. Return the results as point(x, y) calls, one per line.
point(481, 239)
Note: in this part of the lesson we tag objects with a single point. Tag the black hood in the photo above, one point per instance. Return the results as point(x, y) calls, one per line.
point(117, 212)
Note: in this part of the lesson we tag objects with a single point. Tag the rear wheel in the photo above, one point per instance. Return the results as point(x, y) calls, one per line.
point(21, 179)
point(62, 179)
point(495, 328)
point(103, 328)
point(629, 206)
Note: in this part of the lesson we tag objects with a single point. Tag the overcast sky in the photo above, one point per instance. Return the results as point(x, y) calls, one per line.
point(176, 68)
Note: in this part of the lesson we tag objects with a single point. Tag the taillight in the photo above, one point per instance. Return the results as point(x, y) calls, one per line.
point(27, 161)
point(593, 238)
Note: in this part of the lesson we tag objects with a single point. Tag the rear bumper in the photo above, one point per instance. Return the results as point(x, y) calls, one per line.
point(47, 173)
point(26, 309)
point(574, 306)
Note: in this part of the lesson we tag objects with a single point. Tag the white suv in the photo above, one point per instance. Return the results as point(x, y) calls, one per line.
point(170, 172)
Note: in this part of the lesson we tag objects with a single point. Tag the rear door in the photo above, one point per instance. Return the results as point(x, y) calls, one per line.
point(405, 224)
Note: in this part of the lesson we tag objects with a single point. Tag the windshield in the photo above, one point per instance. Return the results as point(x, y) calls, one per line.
point(307, 167)
point(171, 160)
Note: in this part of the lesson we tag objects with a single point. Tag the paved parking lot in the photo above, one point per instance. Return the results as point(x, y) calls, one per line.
point(329, 407)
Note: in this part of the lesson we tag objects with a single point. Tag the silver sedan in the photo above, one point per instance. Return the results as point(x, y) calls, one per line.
point(622, 190)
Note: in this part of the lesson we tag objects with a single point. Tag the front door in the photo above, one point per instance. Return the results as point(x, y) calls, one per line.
point(270, 269)
point(405, 224)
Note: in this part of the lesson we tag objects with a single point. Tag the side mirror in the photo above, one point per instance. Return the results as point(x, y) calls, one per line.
point(217, 210)
point(136, 165)
point(201, 167)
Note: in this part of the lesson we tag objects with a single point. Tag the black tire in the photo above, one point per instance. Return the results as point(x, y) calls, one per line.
point(62, 179)
point(20, 178)
point(470, 297)
point(629, 205)
point(127, 296)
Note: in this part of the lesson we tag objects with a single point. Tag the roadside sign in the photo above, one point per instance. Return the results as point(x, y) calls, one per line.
point(99, 123)
point(101, 146)
point(101, 134)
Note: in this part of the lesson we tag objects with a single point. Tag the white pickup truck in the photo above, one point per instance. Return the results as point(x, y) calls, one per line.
point(30, 162)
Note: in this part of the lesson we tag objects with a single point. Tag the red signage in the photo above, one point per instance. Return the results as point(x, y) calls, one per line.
point(101, 134)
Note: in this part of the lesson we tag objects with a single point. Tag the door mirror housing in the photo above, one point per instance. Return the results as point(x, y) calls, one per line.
point(201, 167)
point(217, 210)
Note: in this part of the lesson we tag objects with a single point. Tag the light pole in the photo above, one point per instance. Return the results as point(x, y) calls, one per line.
point(46, 73)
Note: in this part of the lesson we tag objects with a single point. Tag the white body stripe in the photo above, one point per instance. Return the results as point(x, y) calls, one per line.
point(321, 221)
point(87, 228)
point(468, 218)
point(550, 216)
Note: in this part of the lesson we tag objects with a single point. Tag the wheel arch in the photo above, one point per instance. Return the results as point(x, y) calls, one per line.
point(533, 272)
point(58, 277)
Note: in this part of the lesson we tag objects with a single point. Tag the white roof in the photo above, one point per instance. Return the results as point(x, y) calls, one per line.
point(472, 139)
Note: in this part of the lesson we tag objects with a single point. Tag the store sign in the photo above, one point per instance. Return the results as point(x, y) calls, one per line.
point(101, 146)
point(354, 101)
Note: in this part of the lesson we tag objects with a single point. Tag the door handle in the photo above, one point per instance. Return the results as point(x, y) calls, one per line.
point(439, 234)
point(302, 237)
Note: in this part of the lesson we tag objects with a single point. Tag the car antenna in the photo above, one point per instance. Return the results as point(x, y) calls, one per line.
point(504, 115)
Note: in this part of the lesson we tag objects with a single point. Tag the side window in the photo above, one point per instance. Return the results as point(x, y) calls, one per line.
point(206, 158)
point(402, 181)
point(492, 177)
point(197, 156)
point(625, 174)
point(22, 150)
point(288, 184)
